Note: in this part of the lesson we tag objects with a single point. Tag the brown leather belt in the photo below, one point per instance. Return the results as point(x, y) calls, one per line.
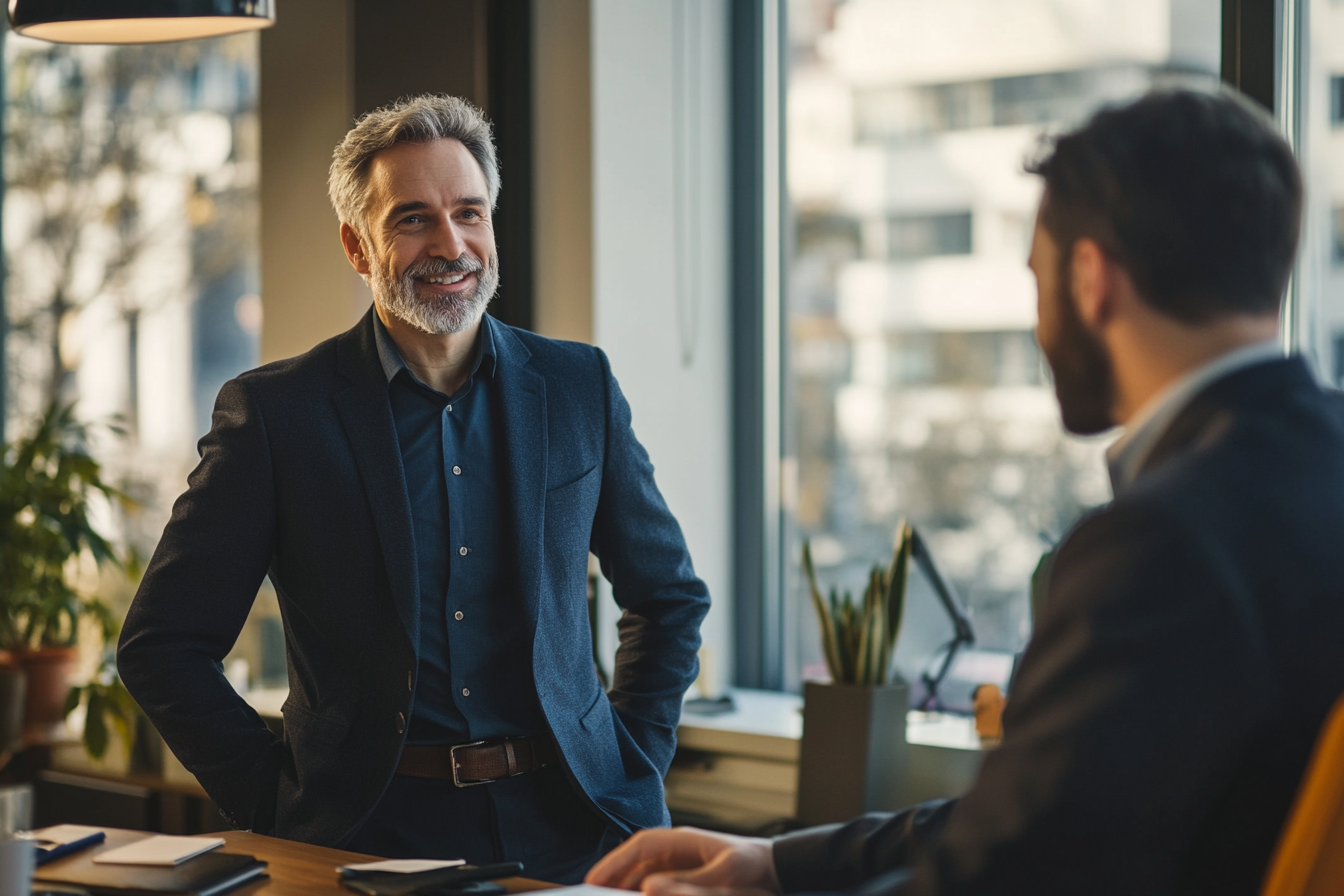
point(481, 762)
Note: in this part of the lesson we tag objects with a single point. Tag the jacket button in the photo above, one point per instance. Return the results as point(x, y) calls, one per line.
point(401, 723)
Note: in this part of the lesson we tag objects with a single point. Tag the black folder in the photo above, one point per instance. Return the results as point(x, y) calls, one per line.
point(204, 875)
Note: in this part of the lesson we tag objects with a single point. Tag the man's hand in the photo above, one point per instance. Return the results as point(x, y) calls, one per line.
point(689, 862)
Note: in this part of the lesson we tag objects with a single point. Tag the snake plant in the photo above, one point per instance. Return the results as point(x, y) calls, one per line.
point(859, 639)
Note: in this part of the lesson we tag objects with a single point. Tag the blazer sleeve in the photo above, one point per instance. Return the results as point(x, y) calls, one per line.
point(643, 554)
point(190, 607)
point(1135, 698)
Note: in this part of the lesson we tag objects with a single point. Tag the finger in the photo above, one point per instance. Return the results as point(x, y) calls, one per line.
point(669, 885)
point(628, 864)
point(613, 868)
point(743, 864)
point(634, 876)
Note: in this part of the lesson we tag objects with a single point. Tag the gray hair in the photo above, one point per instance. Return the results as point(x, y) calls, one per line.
point(415, 119)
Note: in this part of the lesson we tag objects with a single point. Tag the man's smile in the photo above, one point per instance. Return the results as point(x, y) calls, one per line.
point(456, 282)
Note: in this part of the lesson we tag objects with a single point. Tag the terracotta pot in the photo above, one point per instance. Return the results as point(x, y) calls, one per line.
point(50, 672)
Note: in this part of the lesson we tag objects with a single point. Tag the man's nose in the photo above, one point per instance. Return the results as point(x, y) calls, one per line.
point(448, 242)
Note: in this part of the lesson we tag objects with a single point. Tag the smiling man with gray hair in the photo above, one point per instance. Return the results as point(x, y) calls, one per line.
point(423, 491)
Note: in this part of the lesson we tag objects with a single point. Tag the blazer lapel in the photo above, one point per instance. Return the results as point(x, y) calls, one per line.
point(366, 415)
point(522, 399)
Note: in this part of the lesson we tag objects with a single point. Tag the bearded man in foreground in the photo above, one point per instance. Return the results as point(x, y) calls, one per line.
point(1188, 649)
point(423, 491)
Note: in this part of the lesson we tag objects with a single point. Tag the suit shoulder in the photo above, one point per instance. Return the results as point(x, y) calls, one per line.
point(318, 364)
point(560, 356)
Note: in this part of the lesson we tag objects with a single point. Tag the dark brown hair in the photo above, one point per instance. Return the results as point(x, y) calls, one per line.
point(1195, 194)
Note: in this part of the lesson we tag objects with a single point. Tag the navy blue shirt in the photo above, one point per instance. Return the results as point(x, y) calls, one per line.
point(475, 668)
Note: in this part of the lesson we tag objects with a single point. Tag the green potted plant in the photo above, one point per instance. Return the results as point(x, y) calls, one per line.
point(46, 482)
point(109, 708)
point(853, 757)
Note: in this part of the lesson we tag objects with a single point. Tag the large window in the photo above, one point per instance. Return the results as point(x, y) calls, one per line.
point(1313, 117)
point(131, 250)
point(913, 386)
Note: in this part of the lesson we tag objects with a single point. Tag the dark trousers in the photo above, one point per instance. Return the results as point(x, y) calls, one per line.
point(537, 818)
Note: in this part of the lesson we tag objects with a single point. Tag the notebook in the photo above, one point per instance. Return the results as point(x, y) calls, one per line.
point(158, 850)
point(63, 839)
point(205, 875)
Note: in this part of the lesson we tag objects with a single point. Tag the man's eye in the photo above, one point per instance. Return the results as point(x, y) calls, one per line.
point(411, 219)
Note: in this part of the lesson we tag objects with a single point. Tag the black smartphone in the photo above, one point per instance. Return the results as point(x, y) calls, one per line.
point(459, 879)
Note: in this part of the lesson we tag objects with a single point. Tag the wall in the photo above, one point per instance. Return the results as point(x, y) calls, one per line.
point(660, 266)
point(309, 291)
point(562, 171)
point(406, 47)
point(323, 63)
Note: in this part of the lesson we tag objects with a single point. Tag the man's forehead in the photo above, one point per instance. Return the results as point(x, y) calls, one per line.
point(439, 169)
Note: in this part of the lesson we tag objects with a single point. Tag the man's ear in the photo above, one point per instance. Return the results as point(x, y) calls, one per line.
point(354, 249)
point(1090, 282)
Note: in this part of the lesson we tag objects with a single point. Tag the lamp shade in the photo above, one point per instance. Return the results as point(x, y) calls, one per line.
point(136, 21)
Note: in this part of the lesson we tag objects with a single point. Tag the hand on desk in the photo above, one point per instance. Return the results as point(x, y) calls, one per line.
point(689, 862)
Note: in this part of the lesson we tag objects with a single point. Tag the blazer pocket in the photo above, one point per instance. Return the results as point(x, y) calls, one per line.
point(570, 510)
point(597, 722)
point(584, 717)
point(571, 482)
point(309, 727)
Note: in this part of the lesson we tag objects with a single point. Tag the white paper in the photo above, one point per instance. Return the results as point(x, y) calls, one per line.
point(158, 850)
point(59, 835)
point(587, 890)
point(405, 866)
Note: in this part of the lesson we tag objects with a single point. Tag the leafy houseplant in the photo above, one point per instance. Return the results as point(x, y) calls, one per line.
point(853, 753)
point(46, 482)
point(106, 700)
point(859, 639)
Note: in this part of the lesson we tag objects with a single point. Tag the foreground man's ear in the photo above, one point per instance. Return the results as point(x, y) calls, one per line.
point(1091, 273)
point(354, 249)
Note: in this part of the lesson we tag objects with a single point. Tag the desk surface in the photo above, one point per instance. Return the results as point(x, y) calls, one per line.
point(294, 869)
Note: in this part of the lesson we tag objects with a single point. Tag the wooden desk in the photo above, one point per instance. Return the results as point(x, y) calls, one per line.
point(295, 869)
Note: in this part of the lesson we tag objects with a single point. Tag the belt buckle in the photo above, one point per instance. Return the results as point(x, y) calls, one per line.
point(452, 760)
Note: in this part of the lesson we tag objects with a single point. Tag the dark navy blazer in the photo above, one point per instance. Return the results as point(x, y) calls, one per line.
point(1189, 648)
point(301, 478)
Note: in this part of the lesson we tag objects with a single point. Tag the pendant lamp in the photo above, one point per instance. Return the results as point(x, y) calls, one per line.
point(136, 21)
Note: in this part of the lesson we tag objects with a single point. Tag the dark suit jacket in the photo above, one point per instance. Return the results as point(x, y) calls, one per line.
point(300, 477)
point(1190, 646)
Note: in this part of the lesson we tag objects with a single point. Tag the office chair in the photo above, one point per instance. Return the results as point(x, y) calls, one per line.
point(1309, 860)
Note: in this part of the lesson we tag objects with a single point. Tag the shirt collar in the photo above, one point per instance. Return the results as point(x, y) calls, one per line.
point(1126, 456)
point(392, 362)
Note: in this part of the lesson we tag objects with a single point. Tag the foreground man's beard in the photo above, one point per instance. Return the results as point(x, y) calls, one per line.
point(436, 315)
point(1082, 370)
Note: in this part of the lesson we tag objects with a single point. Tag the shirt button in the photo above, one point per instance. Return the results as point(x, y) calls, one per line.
point(462, 551)
point(466, 692)
point(401, 723)
point(458, 615)
point(457, 471)
point(410, 686)
point(450, 409)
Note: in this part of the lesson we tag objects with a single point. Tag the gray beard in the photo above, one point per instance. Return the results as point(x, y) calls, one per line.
point(401, 297)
